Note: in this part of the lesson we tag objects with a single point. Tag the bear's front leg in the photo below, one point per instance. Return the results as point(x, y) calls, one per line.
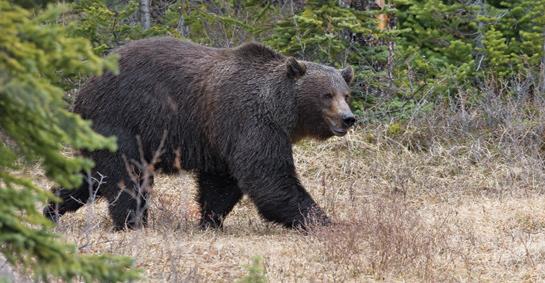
point(283, 200)
point(263, 165)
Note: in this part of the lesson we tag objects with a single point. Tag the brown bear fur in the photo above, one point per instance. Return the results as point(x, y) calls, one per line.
point(228, 115)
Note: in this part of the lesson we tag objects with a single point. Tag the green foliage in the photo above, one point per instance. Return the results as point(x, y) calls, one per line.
point(462, 42)
point(35, 55)
point(324, 31)
point(523, 26)
point(222, 23)
point(435, 42)
point(214, 23)
point(108, 26)
point(256, 272)
point(394, 129)
point(497, 52)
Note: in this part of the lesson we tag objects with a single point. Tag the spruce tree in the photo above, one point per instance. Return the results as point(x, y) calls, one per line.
point(36, 56)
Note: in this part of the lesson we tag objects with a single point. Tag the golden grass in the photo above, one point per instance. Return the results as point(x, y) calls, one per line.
point(449, 213)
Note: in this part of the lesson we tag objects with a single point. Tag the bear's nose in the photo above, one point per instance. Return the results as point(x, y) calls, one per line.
point(349, 120)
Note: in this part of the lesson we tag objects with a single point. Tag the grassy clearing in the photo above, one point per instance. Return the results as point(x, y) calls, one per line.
point(457, 197)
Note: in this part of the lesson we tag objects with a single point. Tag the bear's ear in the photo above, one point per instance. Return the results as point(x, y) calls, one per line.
point(348, 74)
point(295, 68)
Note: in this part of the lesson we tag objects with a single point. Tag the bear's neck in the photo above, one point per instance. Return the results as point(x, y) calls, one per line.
point(299, 132)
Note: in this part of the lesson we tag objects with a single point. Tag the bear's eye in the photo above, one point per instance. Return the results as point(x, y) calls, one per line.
point(328, 95)
point(347, 97)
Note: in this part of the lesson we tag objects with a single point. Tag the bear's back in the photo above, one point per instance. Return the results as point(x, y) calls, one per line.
point(162, 69)
point(185, 89)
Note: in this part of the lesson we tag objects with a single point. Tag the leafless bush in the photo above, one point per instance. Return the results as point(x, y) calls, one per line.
point(385, 237)
point(512, 120)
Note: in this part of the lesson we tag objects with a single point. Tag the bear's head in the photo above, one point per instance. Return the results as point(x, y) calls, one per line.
point(323, 94)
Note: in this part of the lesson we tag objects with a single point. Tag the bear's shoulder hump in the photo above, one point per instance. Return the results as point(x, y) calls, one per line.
point(255, 51)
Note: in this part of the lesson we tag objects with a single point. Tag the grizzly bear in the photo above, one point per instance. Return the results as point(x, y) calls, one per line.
point(229, 115)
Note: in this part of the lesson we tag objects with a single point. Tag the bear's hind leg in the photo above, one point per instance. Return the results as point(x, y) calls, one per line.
point(128, 201)
point(218, 194)
point(129, 209)
point(126, 187)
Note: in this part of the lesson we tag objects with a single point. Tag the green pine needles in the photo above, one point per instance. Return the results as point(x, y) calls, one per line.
point(35, 56)
point(465, 43)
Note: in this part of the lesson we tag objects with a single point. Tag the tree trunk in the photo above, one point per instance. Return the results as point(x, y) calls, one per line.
point(382, 18)
point(480, 36)
point(543, 66)
point(182, 28)
point(145, 14)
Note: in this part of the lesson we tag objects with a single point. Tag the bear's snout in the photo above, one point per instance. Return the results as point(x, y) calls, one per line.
point(348, 120)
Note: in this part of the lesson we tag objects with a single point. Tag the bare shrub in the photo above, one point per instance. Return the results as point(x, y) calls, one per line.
point(385, 237)
point(512, 123)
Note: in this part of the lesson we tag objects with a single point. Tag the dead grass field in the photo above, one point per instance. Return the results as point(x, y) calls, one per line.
point(447, 198)
point(463, 211)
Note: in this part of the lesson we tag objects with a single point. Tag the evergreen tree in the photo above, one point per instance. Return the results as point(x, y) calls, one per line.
point(458, 42)
point(437, 43)
point(35, 125)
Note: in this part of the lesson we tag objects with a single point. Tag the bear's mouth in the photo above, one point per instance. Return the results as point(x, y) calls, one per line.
point(335, 130)
point(338, 131)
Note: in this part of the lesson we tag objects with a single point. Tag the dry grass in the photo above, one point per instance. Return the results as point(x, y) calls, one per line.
point(458, 206)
